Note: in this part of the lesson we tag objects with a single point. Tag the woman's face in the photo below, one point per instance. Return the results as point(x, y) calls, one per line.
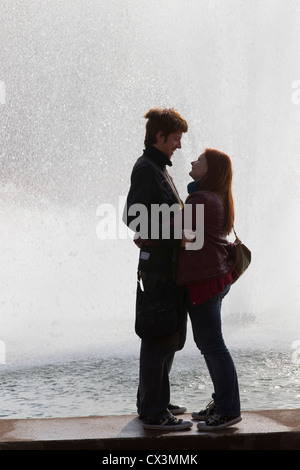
point(199, 168)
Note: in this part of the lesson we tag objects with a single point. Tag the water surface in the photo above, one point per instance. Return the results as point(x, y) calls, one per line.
point(107, 386)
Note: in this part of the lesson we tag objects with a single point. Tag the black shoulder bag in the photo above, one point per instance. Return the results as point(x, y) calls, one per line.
point(242, 255)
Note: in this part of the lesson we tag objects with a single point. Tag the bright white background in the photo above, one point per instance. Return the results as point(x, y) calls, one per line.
point(79, 75)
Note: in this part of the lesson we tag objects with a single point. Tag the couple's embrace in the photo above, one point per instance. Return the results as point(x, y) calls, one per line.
point(174, 280)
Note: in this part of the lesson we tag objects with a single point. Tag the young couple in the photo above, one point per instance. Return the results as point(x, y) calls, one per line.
point(196, 280)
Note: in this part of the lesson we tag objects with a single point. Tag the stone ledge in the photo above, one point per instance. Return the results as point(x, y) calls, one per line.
point(264, 430)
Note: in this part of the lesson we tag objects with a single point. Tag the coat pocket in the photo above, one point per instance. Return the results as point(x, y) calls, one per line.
point(157, 307)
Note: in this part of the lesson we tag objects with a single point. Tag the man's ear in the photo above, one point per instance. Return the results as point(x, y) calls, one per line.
point(160, 137)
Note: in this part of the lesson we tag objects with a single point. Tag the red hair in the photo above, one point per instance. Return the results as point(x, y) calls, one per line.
point(218, 179)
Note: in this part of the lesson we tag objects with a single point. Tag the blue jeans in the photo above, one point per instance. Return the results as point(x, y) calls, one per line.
point(207, 331)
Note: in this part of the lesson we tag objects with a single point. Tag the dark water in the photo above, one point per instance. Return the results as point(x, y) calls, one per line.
point(107, 386)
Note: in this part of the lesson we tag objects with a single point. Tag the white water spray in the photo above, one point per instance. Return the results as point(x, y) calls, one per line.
point(78, 77)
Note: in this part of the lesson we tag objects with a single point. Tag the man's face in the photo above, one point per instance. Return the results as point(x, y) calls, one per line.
point(170, 144)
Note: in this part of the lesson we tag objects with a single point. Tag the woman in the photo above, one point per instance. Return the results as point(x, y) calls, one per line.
point(207, 273)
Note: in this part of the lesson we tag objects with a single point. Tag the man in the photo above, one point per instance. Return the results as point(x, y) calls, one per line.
point(151, 185)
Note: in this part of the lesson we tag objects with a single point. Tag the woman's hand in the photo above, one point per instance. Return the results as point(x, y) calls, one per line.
point(188, 236)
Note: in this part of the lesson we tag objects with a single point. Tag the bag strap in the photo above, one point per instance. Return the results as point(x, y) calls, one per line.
point(237, 240)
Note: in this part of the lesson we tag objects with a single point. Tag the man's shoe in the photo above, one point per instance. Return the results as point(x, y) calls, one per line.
point(176, 410)
point(170, 423)
point(205, 414)
point(217, 422)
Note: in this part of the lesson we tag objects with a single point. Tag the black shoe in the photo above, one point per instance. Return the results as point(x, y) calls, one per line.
point(176, 410)
point(217, 422)
point(205, 414)
point(170, 423)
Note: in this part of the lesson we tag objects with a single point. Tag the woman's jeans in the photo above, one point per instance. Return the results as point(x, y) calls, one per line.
point(207, 331)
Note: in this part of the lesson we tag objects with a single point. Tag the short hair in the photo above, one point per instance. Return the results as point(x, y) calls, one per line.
point(165, 120)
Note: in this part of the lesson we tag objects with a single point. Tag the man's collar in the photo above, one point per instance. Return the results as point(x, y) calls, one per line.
point(157, 156)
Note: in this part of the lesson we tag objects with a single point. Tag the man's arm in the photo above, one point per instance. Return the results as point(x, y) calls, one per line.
point(151, 221)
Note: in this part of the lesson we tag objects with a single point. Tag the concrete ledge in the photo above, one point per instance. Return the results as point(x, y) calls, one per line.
point(265, 430)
